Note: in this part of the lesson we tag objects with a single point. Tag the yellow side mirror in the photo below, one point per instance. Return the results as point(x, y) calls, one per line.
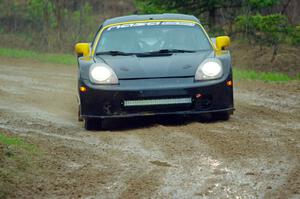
point(222, 42)
point(82, 49)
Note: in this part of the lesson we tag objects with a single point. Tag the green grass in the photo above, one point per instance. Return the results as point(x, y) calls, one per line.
point(69, 59)
point(12, 141)
point(16, 162)
point(264, 76)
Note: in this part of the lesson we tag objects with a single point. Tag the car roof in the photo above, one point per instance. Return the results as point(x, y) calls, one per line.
point(150, 17)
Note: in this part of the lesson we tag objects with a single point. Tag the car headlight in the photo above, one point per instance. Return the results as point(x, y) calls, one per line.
point(209, 69)
point(101, 73)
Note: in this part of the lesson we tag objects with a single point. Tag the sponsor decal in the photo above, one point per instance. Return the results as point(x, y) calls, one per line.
point(159, 23)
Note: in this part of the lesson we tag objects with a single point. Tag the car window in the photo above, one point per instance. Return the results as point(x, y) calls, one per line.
point(148, 38)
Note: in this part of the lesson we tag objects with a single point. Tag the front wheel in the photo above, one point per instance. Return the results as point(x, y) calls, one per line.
point(92, 124)
point(223, 116)
point(80, 119)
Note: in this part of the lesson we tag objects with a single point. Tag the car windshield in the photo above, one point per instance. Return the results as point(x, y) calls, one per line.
point(153, 37)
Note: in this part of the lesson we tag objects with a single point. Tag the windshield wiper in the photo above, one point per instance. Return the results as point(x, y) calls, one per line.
point(176, 51)
point(164, 52)
point(114, 53)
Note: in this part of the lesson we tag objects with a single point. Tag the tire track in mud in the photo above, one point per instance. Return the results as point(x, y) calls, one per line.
point(254, 155)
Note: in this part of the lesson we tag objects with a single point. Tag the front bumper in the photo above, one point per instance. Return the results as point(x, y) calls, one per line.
point(108, 101)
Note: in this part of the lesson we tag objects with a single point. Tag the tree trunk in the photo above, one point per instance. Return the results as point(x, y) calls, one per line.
point(285, 6)
point(275, 51)
point(81, 4)
point(46, 23)
point(59, 9)
point(212, 17)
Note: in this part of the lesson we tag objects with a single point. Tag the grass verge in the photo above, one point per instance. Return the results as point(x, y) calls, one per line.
point(239, 74)
point(16, 159)
point(15, 142)
point(69, 59)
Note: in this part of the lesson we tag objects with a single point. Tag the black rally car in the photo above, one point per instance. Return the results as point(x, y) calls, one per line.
point(144, 65)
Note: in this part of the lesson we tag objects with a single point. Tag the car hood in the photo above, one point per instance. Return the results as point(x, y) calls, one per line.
point(175, 65)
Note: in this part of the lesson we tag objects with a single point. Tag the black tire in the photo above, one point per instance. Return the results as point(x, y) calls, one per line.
point(204, 118)
point(221, 116)
point(80, 119)
point(92, 124)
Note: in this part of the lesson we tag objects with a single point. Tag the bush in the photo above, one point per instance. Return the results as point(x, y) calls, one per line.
point(262, 3)
point(295, 36)
point(267, 29)
point(270, 30)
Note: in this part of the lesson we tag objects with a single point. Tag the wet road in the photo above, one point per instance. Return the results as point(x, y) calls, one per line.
point(254, 155)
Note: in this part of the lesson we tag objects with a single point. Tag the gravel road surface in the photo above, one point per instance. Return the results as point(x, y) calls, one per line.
point(256, 154)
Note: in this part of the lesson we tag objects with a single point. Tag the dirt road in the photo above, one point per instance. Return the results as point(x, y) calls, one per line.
point(254, 155)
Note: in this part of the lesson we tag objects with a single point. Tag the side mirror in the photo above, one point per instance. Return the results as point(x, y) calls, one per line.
point(82, 49)
point(222, 42)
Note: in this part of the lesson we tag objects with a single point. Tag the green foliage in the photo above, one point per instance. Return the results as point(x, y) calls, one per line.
point(194, 7)
point(35, 9)
point(203, 8)
point(47, 24)
point(82, 20)
point(154, 7)
point(258, 4)
point(55, 25)
point(269, 29)
point(41, 11)
point(295, 35)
